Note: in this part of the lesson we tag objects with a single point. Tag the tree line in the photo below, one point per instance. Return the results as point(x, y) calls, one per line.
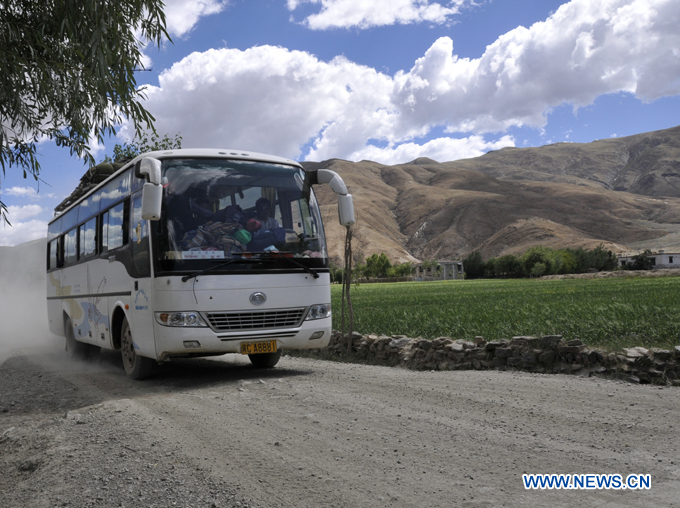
point(535, 262)
point(539, 261)
point(377, 266)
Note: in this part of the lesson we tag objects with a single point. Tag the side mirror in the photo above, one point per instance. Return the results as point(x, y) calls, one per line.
point(150, 169)
point(346, 210)
point(152, 197)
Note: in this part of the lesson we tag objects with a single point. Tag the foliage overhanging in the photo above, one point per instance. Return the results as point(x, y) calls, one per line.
point(68, 74)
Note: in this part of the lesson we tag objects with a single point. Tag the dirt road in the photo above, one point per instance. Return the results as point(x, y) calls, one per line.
point(309, 433)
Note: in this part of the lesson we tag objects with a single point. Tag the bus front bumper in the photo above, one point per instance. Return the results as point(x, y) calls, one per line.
point(203, 341)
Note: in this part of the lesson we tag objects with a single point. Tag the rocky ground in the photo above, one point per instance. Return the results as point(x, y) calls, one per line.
point(311, 433)
point(547, 354)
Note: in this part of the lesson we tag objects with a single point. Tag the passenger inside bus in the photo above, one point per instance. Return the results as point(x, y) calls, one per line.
point(207, 224)
point(187, 212)
point(263, 213)
point(230, 229)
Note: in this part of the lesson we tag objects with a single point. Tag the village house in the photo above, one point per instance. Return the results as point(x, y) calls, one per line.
point(659, 259)
point(440, 270)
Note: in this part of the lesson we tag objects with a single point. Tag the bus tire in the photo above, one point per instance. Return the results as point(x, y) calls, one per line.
point(137, 367)
point(75, 349)
point(265, 360)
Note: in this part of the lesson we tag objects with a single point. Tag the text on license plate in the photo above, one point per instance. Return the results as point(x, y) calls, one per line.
point(253, 348)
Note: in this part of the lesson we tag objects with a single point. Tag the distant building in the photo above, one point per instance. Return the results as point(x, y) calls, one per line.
point(442, 270)
point(659, 260)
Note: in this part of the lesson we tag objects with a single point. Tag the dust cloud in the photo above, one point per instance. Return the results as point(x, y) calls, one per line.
point(23, 307)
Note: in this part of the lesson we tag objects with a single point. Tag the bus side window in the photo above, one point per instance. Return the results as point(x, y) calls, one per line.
point(104, 234)
point(56, 256)
point(88, 238)
point(71, 247)
point(60, 251)
point(126, 222)
point(114, 228)
point(52, 255)
point(140, 238)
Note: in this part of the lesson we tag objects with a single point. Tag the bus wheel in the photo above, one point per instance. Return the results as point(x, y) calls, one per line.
point(76, 350)
point(265, 360)
point(137, 367)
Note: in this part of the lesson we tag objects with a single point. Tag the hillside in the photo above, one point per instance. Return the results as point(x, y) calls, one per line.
point(646, 163)
point(623, 193)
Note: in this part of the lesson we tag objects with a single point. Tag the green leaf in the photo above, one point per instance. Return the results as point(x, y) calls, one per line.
point(64, 65)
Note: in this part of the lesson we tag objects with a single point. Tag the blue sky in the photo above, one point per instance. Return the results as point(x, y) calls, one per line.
point(390, 81)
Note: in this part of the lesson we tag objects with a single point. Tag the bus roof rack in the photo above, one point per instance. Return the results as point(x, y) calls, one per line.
point(92, 177)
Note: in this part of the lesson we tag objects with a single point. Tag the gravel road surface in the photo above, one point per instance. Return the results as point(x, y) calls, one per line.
point(309, 433)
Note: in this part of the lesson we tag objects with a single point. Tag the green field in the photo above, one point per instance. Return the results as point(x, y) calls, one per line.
point(608, 313)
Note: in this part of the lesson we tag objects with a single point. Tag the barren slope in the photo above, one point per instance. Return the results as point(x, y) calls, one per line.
point(646, 163)
point(507, 201)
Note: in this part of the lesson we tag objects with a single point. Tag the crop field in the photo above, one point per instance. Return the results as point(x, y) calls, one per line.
point(608, 313)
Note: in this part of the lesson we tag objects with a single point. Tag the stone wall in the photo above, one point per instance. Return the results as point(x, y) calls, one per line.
point(548, 354)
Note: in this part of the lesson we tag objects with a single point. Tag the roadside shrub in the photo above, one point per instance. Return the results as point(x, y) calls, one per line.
point(377, 266)
point(473, 265)
point(539, 260)
point(537, 255)
point(400, 270)
point(642, 261)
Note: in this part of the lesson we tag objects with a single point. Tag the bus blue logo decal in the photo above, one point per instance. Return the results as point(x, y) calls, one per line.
point(141, 300)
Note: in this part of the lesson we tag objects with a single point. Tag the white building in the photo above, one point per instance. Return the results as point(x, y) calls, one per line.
point(659, 259)
point(444, 270)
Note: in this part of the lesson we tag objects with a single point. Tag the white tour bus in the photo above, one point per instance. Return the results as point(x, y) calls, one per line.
point(193, 253)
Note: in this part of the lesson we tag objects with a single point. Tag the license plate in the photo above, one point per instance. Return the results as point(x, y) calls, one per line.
point(254, 348)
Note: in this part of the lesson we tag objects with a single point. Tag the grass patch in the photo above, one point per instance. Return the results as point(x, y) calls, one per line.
point(607, 313)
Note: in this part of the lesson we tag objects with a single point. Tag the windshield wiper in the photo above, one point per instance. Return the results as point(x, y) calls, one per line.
point(296, 263)
point(270, 257)
point(216, 267)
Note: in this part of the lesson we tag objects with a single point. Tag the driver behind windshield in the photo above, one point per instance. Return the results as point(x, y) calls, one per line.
point(263, 209)
point(266, 230)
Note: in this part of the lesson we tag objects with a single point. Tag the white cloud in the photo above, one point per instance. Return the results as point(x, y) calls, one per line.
point(584, 50)
point(363, 14)
point(26, 192)
point(265, 99)
point(16, 213)
point(182, 15)
point(21, 232)
point(440, 149)
point(272, 99)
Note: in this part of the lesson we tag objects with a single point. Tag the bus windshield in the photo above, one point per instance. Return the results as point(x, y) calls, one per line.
point(221, 209)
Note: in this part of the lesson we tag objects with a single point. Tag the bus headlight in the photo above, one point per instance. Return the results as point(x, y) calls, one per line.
point(186, 319)
point(319, 311)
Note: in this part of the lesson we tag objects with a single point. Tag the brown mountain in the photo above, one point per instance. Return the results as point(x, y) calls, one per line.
point(623, 193)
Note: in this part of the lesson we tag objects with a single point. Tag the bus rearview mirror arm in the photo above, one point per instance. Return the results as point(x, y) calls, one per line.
point(345, 200)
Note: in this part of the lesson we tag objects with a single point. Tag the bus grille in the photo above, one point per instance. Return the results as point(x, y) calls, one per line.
point(259, 320)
